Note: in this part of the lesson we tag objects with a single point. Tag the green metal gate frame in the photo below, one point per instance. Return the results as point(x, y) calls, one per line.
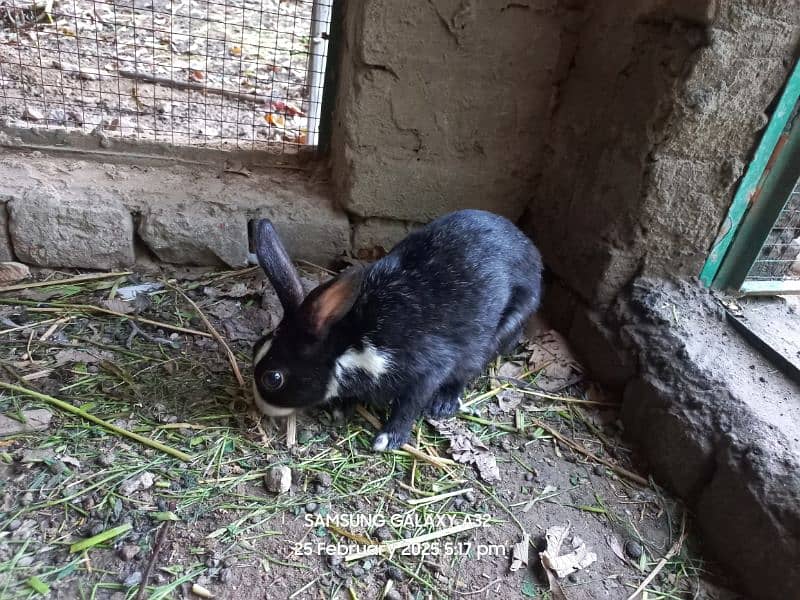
point(759, 199)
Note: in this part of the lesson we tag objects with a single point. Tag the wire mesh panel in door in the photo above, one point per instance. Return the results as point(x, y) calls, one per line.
point(779, 258)
point(243, 74)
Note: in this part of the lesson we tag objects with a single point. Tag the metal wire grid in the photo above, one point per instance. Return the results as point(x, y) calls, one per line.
point(779, 258)
point(244, 74)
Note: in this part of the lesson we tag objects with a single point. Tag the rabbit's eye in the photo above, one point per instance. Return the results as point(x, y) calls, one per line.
point(273, 380)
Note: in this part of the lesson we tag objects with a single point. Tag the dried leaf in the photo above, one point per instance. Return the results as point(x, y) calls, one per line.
point(508, 400)
point(275, 119)
point(551, 355)
point(118, 305)
point(616, 547)
point(11, 272)
point(507, 369)
point(35, 420)
point(467, 448)
point(235, 166)
point(564, 564)
point(519, 554)
point(197, 75)
point(130, 292)
point(235, 51)
point(71, 355)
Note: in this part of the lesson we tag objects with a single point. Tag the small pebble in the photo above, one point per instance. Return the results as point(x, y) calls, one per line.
point(133, 579)
point(395, 574)
point(393, 594)
point(529, 477)
point(27, 499)
point(633, 549)
point(225, 575)
point(367, 565)
point(278, 480)
point(358, 572)
point(572, 578)
point(14, 525)
point(334, 560)
point(599, 470)
point(32, 114)
point(323, 480)
point(470, 497)
point(212, 562)
point(312, 507)
point(128, 551)
point(25, 561)
point(305, 436)
point(97, 528)
point(383, 534)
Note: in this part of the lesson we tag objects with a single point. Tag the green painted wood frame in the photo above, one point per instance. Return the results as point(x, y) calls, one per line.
point(758, 200)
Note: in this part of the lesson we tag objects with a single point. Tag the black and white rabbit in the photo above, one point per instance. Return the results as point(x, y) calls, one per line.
point(411, 330)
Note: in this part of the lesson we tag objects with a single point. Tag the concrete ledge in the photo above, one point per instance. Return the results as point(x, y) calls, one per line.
point(719, 426)
point(80, 213)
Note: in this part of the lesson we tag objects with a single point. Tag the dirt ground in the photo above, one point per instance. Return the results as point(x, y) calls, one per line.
point(84, 64)
point(205, 523)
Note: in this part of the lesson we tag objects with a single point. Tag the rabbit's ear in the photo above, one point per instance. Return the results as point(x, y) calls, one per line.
point(277, 265)
point(331, 301)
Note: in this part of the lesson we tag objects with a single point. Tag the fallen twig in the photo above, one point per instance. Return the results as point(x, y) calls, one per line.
point(676, 547)
point(90, 417)
point(431, 499)
point(197, 87)
point(436, 461)
point(63, 306)
point(398, 544)
point(148, 573)
point(215, 334)
point(76, 279)
point(579, 448)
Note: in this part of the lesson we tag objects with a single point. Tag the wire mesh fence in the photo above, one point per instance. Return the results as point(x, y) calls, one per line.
point(779, 258)
point(244, 74)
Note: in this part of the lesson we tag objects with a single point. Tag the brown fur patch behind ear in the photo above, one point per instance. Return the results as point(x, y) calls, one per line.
point(333, 301)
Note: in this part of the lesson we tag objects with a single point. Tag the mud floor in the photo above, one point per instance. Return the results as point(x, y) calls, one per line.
point(86, 512)
point(90, 65)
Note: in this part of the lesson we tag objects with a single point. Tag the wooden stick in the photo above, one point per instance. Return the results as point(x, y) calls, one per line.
point(61, 307)
point(194, 86)
point(291, 430)
point(28, 326)
point(578, 448)
point(396, 545)
point(66, 406)
point(76, 279)
point(415, 452)
point(215, 334)
point(676, 547)
point(148, 573)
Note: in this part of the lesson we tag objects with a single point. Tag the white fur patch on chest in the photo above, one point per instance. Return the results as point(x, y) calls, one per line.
point(369, 359)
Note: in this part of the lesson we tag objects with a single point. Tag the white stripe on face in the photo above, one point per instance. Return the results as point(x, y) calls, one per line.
point(262, 352)
point(269, 409)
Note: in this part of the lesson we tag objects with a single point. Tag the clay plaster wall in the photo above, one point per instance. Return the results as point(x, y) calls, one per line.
point(650, 132)
point(444, 104)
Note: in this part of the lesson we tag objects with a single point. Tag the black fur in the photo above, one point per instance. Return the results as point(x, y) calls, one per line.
point(442, 304)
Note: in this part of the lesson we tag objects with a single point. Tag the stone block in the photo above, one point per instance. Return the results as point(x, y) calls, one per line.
point(49, 229)
point(378, 236)
point(196, 234)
